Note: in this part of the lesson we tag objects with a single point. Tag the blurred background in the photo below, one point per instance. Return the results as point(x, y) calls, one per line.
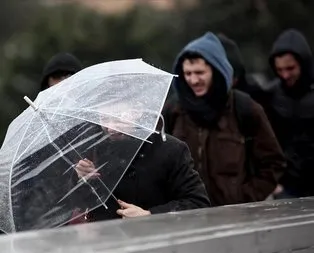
point(155, 30)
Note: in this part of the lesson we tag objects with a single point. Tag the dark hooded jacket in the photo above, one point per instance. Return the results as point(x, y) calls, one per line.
point(291, 112)
point(292, 41)
point(64, 62)
point(245, 82)
point(216, 143)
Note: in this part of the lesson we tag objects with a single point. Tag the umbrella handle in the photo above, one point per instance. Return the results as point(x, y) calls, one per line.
point(162, 132)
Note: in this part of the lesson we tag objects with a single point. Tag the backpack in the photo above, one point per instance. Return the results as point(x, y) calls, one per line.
point(246, 124)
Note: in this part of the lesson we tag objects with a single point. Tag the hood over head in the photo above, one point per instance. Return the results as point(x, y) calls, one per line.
point(294, 42)
point(207, 108)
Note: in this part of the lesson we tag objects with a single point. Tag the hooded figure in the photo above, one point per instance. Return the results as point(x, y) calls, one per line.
point(59, 67)
point(293, 43)
point(234, 56)
point(206, 120)
point(241, 80)
point(200, 109)
point(207, 108)
point(290, 107)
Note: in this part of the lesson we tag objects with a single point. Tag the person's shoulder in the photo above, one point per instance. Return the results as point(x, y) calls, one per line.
point(247, 105)
point(272, 86)
point(174, 143)
point(267, 91)
point(172, 107)
point(173, 140)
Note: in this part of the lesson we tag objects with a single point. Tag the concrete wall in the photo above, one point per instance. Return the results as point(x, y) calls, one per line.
point(265, 227)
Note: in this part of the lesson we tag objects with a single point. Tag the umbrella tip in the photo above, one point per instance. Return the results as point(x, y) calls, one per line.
point(30, 102)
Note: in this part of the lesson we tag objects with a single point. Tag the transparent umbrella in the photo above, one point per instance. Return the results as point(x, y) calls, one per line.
point(103, 113)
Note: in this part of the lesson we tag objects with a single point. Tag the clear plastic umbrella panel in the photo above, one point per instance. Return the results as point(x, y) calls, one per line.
point(103, 113)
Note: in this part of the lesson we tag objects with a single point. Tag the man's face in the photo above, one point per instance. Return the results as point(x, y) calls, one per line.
point(288, 69)
point(198, 75)
point(125, 123)
point(53, 80)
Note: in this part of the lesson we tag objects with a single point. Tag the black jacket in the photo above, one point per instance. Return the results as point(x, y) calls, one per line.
point(160, 179)
point(291, 113)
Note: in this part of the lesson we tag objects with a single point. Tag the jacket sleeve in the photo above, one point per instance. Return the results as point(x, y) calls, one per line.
point(185, 188)
point(268, 159)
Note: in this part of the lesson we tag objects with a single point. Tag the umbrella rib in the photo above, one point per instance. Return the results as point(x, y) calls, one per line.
point(46, 121)
point(163, 102)
point(59, 149)
point(50, 140)
point(115, 186)
point(56, 88)
point(84, 180)
point(80, 183)
point(22, 138)
point(58, 106)
point(25, 150)
point(106, 114)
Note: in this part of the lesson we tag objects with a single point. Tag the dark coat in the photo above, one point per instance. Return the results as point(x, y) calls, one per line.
point(219, 153)
point(291, 113)
point(160, 179)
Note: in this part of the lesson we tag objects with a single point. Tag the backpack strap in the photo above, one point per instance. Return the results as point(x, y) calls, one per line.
point(246, 124)
point(244, 113)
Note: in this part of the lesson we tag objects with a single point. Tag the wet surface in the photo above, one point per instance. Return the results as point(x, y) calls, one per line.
point(253, 221)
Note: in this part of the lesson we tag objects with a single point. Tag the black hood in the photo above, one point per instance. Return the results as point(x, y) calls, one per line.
point(60, 62)
point(294, 42)
point(244, 82)
point(234, 56)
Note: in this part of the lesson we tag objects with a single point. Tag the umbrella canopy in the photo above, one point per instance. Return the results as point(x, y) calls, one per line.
point(103, 113)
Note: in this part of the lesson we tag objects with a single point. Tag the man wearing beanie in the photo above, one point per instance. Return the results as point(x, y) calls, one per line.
point(59, 67)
